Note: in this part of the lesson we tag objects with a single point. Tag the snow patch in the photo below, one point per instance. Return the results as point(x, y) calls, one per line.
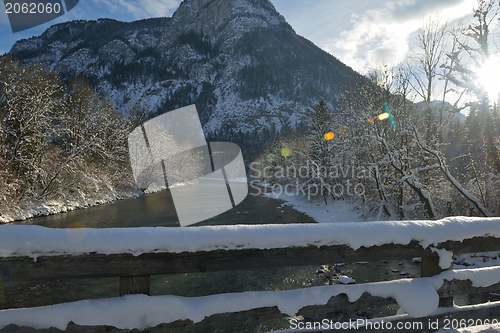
point(417, 297)
point(346, 280)
point(337, 211)
point(27, 240)
point(445, 257)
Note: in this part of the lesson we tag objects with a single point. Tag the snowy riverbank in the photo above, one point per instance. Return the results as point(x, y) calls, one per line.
point(336, 211)
point(35, 208)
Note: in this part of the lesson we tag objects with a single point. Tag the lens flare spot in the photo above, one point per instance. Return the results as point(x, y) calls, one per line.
point(76, 225)
point(285, 152)
point(343, 130)
point(389, 113)
point(271, 158)
point(383, 116)
point(155, 204)
point(329, 136)
point(371, 120)
point(76, 232)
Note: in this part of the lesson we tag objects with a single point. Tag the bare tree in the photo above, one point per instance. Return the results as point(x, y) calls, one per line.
point(32, 100)
point(473, 41)
point(428, 58)
point(441, 163)
point(91, 130)
point(473, 53)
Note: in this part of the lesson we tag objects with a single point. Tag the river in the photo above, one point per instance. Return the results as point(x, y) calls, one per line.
point(158, 209)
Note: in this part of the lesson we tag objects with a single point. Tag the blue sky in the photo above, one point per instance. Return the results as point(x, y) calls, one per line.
point(361, 33)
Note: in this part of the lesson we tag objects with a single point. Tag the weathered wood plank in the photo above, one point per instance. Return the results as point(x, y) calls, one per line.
point(464, 287)
point(335, 305)
point(430, 267)
point(474, 245)
point(72, 328)
point(490, 313)
point(134, 269)
point(98, 265)
point(340, 305)
point(134, 285)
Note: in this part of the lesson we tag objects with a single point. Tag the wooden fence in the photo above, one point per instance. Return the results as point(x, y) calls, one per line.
point(134, 277)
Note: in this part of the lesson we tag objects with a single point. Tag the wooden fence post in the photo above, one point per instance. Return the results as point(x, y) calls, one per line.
point(430, 267)
point(134, 285)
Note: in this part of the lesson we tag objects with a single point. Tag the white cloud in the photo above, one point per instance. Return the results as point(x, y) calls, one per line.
point(160, 8)
point(141, 9)
point(381, 35)
point(374, 40)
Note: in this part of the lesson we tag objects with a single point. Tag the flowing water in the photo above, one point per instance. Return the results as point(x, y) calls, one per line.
point(158, 209)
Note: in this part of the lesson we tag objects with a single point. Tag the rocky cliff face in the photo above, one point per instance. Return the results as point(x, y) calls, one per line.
point(239, 61)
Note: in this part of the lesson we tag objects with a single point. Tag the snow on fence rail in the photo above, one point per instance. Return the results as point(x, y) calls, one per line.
point(134, 254)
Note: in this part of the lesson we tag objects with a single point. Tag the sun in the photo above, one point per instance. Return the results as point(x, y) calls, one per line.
point(488, 77)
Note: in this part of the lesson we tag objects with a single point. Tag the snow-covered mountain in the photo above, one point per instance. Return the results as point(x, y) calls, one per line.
point(239, 61)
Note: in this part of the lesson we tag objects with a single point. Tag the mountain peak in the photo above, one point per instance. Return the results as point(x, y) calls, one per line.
point(218, 18)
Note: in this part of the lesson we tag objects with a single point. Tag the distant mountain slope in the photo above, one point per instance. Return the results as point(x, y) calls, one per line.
point(239, 61)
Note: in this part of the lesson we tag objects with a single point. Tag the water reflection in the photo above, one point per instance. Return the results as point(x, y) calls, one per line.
point(158, 209)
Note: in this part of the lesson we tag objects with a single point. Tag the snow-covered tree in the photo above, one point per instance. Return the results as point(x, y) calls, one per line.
point(427, 61)
point(470, 63)
point(58, 140)
point(32, 103)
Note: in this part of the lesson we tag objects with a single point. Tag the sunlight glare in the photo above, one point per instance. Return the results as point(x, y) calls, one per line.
point(488, 77)
point(383, 116)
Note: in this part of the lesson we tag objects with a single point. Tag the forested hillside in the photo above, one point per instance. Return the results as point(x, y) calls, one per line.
point(401, 160)
point(243, 66)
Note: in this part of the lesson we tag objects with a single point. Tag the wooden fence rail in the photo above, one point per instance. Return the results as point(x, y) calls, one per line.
point(135, 271)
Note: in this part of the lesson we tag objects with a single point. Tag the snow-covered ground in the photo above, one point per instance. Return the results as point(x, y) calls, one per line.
point(495, 328)
point(34, 208)
point(477, 260)
point(336, 211)
point(342, 211)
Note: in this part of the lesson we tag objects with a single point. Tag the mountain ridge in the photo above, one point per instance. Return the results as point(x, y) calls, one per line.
point(239, 61)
